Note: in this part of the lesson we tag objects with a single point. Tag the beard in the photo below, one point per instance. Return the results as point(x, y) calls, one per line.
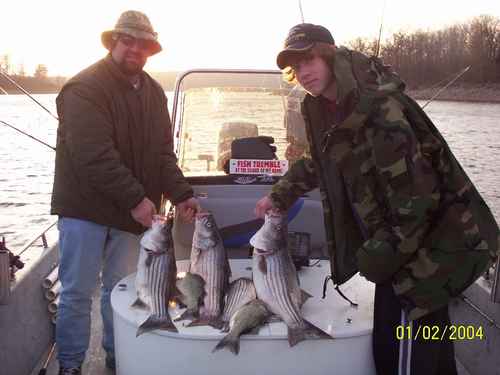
point(131, 68)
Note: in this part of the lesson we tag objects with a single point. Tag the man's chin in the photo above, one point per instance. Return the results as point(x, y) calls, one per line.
point(131, 69)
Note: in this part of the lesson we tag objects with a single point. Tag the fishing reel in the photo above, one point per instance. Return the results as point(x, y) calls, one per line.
point(14, 261)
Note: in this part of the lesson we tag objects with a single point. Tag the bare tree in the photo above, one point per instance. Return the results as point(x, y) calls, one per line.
point(41, 71)
point(21, 71)
point(5, 63)
point(429, 57)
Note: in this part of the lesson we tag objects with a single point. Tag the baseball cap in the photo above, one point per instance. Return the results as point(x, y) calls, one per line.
point(301, 38)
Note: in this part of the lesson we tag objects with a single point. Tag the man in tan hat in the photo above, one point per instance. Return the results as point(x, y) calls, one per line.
point(114, 161)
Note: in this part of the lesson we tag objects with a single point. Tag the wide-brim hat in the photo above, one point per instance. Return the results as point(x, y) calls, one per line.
point(135, 24)
point(301, 38)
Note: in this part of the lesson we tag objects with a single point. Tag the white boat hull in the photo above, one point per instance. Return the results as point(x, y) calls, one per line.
point(268, 352)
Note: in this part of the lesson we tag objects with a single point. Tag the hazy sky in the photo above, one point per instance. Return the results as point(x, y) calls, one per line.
point(65, 35)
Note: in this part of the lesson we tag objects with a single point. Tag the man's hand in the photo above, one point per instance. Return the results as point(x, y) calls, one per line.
point(143, 212)
point(188, 208)
point(263, 205)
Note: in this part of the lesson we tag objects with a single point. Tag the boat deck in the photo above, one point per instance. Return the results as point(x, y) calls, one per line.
point(94, 362)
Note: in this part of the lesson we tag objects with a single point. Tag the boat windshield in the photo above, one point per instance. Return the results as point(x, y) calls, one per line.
point(213, 108)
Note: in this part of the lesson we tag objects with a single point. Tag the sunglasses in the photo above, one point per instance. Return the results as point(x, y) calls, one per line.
point(129, 42)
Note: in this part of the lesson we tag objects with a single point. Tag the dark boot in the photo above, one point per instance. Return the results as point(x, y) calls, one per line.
point(70, 370)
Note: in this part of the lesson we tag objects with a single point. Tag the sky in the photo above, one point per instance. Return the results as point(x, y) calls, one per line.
point(65, 35)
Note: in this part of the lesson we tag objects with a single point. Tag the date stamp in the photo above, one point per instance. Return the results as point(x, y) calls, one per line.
point(440, 333)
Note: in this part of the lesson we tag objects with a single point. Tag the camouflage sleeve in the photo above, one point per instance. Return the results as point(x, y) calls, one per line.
point(408, 196)
point(299, 179)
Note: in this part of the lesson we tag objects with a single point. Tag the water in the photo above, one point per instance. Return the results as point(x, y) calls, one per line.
point(471, 129)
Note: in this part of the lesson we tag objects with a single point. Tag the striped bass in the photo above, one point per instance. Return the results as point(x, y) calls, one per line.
point(156, 273)
point(275, 276)
point(241, 291)
point(209, 260)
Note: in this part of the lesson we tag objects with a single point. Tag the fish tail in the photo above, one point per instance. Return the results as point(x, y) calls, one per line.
point(156, 322)
point(139, 304)
point(189, 314)
point(230, 342)
point(296, 335)
point(311, 331)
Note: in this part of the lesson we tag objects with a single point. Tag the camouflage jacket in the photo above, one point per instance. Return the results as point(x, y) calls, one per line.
point(398, 207)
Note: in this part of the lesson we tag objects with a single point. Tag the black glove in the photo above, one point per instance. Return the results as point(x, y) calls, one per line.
point(253, 148)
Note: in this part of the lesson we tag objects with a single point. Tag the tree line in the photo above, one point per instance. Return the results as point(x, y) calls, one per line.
point(426, 58)
point(39, 82)
point(422, 58)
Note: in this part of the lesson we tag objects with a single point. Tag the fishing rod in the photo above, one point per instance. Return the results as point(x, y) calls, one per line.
point(460, 74)
point(29, 135)
point(301, 12)
point(8, 78)
point(377, 50)
point(476, 308)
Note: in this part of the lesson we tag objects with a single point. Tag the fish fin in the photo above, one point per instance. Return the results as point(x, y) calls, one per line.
point(296, 335)
point(230, 342)
point(304, 296)
point(228, 268)
point(225, 327)
point(188, 314)
point(149, 259)
point(155, 322)
point(261, 263)
point(195, 255)
point(139, 304)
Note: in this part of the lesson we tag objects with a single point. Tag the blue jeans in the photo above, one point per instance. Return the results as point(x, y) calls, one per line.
point(86, 251)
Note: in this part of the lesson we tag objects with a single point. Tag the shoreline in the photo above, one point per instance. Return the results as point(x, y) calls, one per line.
point(472, 93)
point(486, 93)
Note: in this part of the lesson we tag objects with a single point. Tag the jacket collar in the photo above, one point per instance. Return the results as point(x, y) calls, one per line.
point(344, 77)
point(358, 75)
point(117, 74)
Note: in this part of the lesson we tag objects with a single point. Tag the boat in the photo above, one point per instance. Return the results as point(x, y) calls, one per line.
point(222, 124)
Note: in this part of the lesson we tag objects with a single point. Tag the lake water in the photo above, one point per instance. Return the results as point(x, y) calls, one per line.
point(471, 129)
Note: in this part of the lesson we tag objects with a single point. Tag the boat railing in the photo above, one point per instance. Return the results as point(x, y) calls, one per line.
point(11, 262)
point(41, 236)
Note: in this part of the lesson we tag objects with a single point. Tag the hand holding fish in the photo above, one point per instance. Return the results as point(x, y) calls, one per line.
point(188, 208)
point(263, 205)
point(143, 212)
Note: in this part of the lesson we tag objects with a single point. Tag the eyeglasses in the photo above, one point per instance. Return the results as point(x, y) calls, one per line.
point(130, 41)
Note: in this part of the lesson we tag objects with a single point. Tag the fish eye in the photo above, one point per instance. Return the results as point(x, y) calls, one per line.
point(209, 224)
point(278, 227)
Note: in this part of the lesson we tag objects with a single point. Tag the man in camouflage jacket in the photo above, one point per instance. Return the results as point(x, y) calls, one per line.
point(398, 207)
